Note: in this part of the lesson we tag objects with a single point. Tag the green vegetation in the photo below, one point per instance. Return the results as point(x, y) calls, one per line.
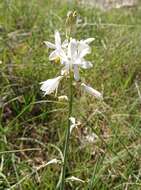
point(35, 125)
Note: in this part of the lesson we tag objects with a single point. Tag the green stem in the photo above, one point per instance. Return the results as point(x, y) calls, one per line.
point(67, 135)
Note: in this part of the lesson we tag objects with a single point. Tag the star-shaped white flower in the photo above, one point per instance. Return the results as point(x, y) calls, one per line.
point(74, 58)
point(58, 47)
point(50, 85)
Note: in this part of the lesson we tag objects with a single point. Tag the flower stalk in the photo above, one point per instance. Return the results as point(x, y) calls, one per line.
point(67, 134)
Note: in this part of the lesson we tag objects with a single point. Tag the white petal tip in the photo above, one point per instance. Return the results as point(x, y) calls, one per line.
point(92, 91)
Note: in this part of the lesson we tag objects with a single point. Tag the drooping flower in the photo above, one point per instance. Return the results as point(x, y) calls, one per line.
point(92, 91)
point(58, 47)
point(50, 85)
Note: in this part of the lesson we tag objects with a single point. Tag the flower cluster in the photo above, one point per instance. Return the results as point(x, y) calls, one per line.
point(71, 54)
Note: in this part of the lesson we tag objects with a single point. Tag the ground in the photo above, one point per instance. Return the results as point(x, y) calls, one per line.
point(105, 150)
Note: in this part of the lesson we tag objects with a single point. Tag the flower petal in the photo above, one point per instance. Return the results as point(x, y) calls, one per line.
point(92, 91)
point(89, 40)
point(72, 49)
point(50, 45)
point(57, 39)
point(84, 52)
point(65, 44)
point(86, 64)
point(72, 119)
point(53, 55)
point(73, 124)
point(62, 55)
point(50, 85)
point(76, 72)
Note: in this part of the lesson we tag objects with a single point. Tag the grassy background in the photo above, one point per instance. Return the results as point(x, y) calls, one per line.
point(30, 121)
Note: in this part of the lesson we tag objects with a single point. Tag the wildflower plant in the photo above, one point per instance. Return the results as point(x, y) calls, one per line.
point(71, 54)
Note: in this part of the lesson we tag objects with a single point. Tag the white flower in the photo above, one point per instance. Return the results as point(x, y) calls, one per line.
point(84, 44)
point(74, 57)
point(84, 49)
point(86, 64)
point(50, 85)
point(77, 50)
point(87, 41)
point(58, 47)
point(73, 123)
point(92, 91)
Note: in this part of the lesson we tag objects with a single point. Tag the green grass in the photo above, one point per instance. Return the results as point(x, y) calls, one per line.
point(30, 121)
